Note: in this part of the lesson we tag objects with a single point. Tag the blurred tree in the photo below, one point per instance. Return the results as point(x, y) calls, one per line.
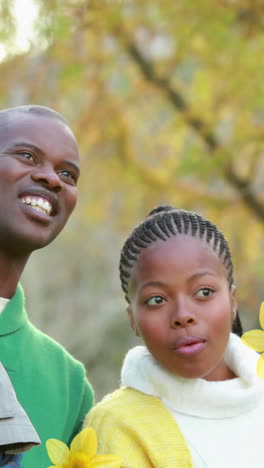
point(166, 99)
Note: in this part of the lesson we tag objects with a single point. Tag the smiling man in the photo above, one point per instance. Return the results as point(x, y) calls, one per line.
point(39, 170)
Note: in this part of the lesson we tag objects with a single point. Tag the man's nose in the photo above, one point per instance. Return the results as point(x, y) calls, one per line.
point(48, 177)
point(182, 315)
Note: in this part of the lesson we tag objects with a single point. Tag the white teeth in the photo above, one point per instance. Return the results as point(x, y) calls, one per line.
point(37, 208)
point(39, 204)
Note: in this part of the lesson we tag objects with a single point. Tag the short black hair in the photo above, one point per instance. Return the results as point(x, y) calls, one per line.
point(165, 222)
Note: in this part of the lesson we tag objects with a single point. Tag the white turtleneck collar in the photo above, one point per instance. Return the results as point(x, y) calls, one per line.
point(198, 397)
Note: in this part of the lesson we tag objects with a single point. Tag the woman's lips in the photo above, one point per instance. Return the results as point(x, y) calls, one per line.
point(189, 345)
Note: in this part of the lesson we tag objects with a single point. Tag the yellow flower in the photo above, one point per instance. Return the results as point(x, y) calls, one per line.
point(255, 340)
point(81, 454)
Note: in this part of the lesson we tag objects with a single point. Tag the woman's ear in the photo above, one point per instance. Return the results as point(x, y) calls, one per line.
point(233, 302)
point(132, 320)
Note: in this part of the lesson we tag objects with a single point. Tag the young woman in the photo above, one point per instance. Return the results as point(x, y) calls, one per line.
point(190, 397)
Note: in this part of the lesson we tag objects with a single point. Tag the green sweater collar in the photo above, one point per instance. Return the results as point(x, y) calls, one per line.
point(14, 315)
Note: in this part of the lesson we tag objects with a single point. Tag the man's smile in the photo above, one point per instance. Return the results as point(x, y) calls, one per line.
point(38, 203)
point(40, 199)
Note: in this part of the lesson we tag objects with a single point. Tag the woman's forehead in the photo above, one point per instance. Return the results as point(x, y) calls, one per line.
point(180, 250)
point(176, 261)
point(181, 241)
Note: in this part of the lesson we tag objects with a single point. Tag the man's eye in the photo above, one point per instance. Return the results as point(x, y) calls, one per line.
point(27, 155)
point(68, 175)
point(205, 292)
point(155, 300)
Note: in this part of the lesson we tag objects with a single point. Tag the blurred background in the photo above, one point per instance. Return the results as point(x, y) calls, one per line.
point(166, 98)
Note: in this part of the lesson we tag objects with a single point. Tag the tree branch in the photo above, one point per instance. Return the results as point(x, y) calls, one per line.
point(198, 125)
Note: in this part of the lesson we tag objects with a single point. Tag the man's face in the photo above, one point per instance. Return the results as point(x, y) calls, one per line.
point(39, 169)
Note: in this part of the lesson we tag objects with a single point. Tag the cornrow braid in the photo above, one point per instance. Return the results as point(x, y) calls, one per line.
point(164, 222)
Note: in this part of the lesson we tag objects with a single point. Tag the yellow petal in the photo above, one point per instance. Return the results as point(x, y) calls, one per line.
point(261, 315)
point(85, 442)
point(254, 339)
point(108, 461)
point(260, 366)
point(57, 451)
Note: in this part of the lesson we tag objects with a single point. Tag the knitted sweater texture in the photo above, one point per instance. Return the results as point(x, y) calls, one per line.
point(139, 428)
point(50, 384)
point(201, 424)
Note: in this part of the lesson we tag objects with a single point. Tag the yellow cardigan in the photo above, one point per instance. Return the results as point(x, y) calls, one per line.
point(140, 429)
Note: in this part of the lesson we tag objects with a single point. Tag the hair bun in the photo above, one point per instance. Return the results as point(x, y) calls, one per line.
point(160, 209)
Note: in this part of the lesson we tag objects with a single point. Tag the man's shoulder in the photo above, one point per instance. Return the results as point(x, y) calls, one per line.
point(61, 366)
point(49, 347)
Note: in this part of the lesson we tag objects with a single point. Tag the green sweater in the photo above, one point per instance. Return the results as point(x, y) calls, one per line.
point(50, 384)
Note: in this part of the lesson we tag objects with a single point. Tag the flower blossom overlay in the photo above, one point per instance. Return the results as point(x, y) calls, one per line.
point(81, 454)
point(255, 340)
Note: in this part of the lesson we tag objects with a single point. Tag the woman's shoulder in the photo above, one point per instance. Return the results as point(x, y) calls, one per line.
point(125, 404)
point(129, 423)
point(125, 396)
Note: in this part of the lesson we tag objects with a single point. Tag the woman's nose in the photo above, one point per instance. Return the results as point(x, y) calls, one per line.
point(47, 177)
point(182, 316)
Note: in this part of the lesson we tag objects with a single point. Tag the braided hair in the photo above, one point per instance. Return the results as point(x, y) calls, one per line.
point(165, 222)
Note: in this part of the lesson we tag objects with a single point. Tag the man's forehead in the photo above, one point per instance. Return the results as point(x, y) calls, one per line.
point(25, 117)
point(20, 127)
point(31, 110)
point(8, 118)
point(13, 123)
point(17, 120)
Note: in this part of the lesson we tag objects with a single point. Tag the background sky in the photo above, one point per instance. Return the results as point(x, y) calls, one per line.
point(25, 13)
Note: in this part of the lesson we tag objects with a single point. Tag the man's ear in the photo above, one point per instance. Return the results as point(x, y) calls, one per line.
point(233, 302)
point(132, 320)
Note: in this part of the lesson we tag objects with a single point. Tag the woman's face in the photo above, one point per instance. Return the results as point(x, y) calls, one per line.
point(182, 307)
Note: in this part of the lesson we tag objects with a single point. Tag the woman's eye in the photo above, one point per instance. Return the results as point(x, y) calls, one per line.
point(205, 292)
point(155, 300)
